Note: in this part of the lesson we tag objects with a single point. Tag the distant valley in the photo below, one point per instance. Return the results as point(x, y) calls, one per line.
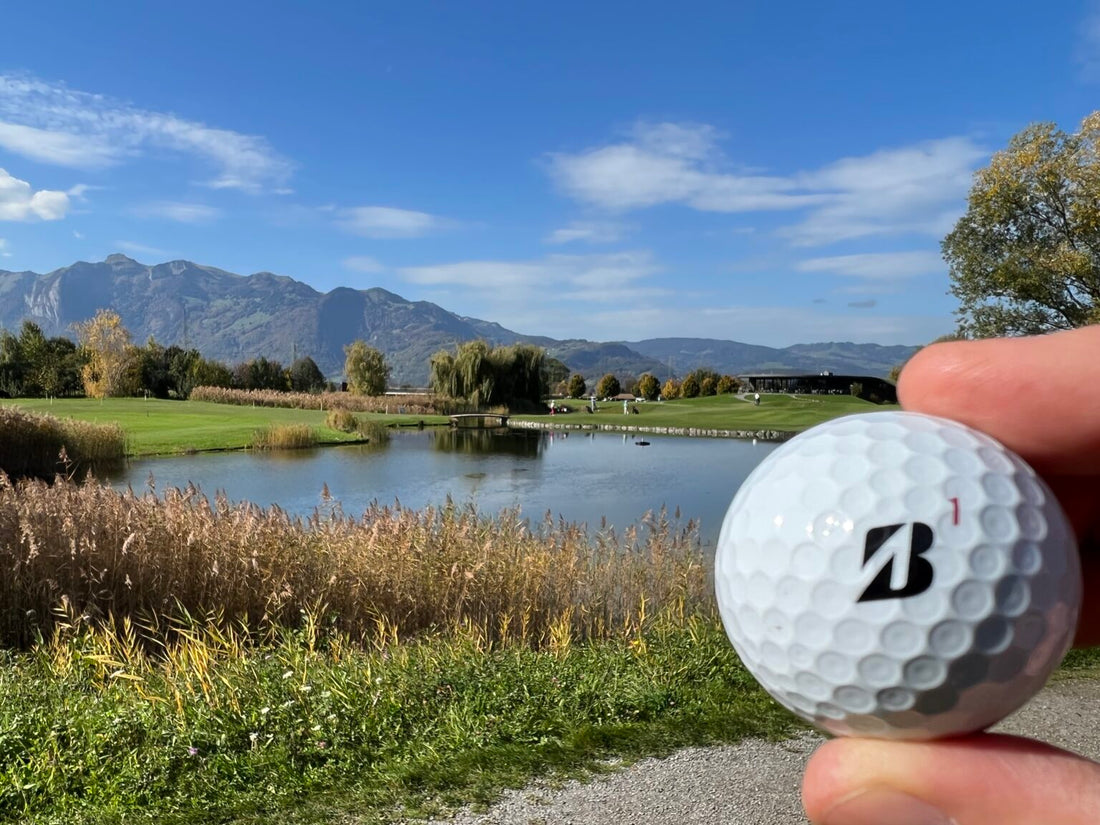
point(235, 318)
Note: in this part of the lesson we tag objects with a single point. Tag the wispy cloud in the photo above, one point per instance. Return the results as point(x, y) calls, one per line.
point(878, 266)
point(591, 232)
point(19, 202)
point(909, 189)
point(1086, 50)
point(4, 249)
point(141, 249)
point(388, 222)
point(180, 212)
point(52, 123)
point(363, 263)
point(578, 277)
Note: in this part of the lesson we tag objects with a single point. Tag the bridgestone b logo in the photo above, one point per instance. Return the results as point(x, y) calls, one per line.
point(897, 555)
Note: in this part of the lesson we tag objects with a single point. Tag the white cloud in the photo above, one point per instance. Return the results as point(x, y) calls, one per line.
point(388, 222)
point(4, 249)
point(363, 263)
point(52, 123)
point(193, 213)
point(18, 202)
point(911, 189)
point(878, 266)
point(587, 232)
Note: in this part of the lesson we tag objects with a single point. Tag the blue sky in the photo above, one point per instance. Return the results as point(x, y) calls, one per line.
point(773, 173)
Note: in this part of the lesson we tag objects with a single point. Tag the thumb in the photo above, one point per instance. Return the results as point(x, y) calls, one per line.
point(985, 779)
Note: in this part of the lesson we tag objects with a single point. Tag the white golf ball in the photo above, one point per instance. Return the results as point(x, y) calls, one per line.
point(897, 575)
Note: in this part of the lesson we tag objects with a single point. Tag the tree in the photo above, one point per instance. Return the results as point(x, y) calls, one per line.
point(690, 388)
point(1025, 257)
point(486, 376)
point(577, 386)
point(366, 369)
point(671, 389)
point(608, 386)
point(728, 384)
point(110, 354)
point(648, 386)
point(305, 376)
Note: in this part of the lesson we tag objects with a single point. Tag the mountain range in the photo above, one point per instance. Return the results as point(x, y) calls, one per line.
point(233, 318)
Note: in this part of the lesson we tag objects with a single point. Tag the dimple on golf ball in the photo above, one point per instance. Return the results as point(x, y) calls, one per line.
point(897, 575)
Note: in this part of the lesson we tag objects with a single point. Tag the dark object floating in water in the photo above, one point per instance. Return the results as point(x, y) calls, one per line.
point(642, 443)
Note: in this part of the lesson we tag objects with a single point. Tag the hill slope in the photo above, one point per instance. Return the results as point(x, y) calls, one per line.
point(234, 318)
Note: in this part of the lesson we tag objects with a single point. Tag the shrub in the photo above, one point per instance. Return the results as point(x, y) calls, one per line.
point(342, 420)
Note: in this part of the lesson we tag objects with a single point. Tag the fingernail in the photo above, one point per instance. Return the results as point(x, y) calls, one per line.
point(884, 806)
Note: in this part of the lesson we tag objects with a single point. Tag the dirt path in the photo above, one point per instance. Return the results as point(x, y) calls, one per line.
point(754, 783)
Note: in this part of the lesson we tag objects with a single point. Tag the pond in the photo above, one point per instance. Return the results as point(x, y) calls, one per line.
point(585, 477)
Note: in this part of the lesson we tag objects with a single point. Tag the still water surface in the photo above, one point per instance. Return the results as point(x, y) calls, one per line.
point(581, 477)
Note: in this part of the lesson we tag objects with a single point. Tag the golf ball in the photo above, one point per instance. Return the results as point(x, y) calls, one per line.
point(897, 575)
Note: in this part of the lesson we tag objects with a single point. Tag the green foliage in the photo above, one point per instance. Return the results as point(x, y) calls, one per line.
point(1025, 257)
point(33, 366)
point(260, 374)
point(305, 376)
point(727, 384)
point(648, 386)
point(608, 386)
point(485, 376)
point(577, 386)
point(365, 368)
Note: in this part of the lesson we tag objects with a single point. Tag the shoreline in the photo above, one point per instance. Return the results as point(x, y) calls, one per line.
point(704, 432)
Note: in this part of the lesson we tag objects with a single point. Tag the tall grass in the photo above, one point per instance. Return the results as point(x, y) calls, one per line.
point(41, 446)
point(390, 404)
point(284, 437)
point(148, 559)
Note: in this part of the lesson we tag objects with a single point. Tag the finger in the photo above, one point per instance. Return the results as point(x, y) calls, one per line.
point(987, 779)
point(1035, 394)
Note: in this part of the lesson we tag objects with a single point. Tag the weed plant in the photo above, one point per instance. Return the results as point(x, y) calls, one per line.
point(41, 446)
point(412, 404)
point(342, 420)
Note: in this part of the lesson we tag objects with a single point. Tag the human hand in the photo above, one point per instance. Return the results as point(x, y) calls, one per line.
point(1040, 397)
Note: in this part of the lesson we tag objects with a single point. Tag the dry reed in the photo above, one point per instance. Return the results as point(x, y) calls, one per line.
point(42, 446)
point(392, 574)
point(284, 437)
point(412, 404)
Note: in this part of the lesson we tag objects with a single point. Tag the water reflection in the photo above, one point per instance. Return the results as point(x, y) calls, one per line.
point(584, 477)
point(494, 441)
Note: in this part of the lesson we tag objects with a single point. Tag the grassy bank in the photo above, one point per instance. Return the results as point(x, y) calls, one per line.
point(42, 446)
point(156, 426)
point(720, 412)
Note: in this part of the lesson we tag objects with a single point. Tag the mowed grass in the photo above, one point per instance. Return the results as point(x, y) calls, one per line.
point(155, 426)
point(720, 412)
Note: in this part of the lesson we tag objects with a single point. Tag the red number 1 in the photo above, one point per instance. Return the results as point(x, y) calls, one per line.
point(955, 504)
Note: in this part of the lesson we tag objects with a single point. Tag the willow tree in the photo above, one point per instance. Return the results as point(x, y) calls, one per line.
point(110, 355)
point(366, 369)
point(1025, 258)
point(483, 376)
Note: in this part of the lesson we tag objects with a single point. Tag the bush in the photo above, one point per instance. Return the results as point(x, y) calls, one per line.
point(342, 420)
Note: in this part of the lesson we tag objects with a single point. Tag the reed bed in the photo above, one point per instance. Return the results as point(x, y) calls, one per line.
point(393, 573)
point(284, 437)
point(42, 446)
point(413, 404)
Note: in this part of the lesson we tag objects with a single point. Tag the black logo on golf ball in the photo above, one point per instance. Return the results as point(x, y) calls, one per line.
point(902, 569)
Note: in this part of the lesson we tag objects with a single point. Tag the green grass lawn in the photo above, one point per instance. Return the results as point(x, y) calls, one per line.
point(720, 412)
point(155, 426)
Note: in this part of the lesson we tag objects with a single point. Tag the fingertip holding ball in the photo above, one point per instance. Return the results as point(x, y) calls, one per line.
point(897, 575)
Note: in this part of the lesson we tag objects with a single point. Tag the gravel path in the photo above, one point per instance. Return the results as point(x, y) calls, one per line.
point(754, 783)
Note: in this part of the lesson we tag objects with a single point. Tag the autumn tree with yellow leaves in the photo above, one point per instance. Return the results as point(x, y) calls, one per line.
point(1025, 258)
point(106, 343)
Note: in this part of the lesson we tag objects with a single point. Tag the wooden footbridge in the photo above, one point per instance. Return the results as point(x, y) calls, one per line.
point(479, 420)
